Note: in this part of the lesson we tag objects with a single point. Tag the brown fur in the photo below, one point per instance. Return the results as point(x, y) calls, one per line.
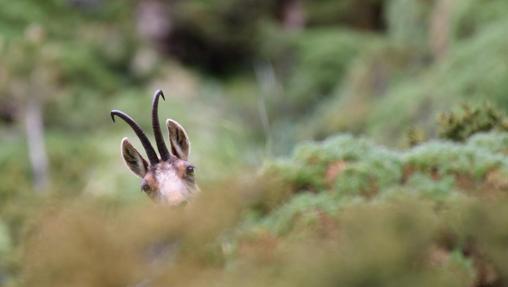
point(167, 182)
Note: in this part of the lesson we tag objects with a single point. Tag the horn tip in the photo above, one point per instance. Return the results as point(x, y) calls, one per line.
point(160, 93)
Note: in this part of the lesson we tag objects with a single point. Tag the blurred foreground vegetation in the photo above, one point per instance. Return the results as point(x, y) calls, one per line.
point(340, 212)
point(351, 143)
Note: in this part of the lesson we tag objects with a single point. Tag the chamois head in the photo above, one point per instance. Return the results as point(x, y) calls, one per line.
point(170, 179)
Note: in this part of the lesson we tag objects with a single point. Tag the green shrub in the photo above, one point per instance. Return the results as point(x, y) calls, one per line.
point(493, 141)
point(448, 158)
point(303, 211)
point(15, 170)
point(460, 125)
point(339, 162)
point(349, 167)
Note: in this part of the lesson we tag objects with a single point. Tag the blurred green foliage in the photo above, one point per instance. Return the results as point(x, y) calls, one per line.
point(250, 85)
point(408, 22)
point(422, 230)
point(322, 58)
point(389, 89)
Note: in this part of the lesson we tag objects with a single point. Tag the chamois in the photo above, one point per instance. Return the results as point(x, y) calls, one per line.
point(170, 178)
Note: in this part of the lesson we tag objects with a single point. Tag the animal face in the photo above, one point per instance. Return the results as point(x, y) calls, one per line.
point(170, 182)
point(170, 178)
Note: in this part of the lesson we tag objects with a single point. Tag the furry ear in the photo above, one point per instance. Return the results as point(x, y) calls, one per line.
point(180, 145)
point(134, 161)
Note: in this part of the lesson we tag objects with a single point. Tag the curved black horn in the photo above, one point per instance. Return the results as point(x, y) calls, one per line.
point(150, 152)
point(159, 139)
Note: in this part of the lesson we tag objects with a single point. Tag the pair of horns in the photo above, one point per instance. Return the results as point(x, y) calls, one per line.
point(159, 139)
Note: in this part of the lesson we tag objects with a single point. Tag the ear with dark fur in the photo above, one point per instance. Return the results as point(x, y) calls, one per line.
point(180, 145)
point(134, 161)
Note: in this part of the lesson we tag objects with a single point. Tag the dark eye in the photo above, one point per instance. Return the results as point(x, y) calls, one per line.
point(189, 170)
point(145, 187)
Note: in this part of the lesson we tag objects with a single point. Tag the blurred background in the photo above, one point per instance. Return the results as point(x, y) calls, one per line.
point(250, 80)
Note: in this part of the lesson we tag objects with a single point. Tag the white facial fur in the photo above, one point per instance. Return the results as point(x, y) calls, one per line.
point(173, 190)
point(170, 183)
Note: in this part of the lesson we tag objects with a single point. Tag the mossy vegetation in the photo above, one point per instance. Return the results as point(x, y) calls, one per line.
point(355, 167)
